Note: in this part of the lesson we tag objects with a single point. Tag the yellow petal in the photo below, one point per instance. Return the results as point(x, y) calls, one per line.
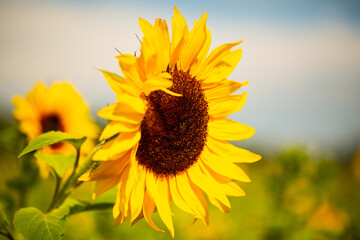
point(121, 85)
point(198, 193)
point(115, 127)
point(155, 46)
point(109, 169)
point(124, 189)
point(178, 200)
point(107, 112)
point(218, 204)
point(224, 68)
point(201, 58)
point(171, 93)
point(104, 185)
point(122, 113)
point(206, 184)
point(176, 53)
point(230, 188)
point(230, 152)
point(128, 187)
point(157, 82)
point(222, 166)
point(148, 209)
point(215, 57)
point(223, 89)
point(128, 65)
point(137, 194)
point(180, 33)
point(195, 202)
point(23, 109)
point(164, 43)
point(127, 104)
point(205, 49)
point(194, 44)
point(120, 208)
point(225, 106)
point(85, 177)
point(226, 129)
point(139, 217)
point(106, 150)
point(121, 144)
point(159, 192)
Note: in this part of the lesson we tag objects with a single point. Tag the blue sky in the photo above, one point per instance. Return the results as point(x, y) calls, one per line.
point(303, 57)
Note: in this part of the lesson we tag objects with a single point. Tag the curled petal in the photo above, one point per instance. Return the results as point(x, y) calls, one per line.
point(226, 129)
point(223, 167)
point(223, 89)
point(148, 209)
point(194, 44)
point(159, 192)
point(215, 58)
point(118, 146)
point(228, 105)
point(230, 152)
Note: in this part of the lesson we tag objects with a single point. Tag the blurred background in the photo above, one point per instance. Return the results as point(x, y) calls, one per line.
point(303, 59)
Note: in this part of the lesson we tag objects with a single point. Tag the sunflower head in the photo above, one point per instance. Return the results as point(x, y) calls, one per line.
point(57, 108)
point(171, 111)
point(172, 123)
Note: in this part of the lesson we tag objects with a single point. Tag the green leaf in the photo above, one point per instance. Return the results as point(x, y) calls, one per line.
point(62, 211)
point(50, 138)
point(35, 225)
point(73, 206)
point(110, 73)
point(86, 206)
point(59, 163)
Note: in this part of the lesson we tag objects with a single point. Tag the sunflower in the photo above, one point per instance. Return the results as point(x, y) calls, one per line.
point(170, 117)
point(58, 108)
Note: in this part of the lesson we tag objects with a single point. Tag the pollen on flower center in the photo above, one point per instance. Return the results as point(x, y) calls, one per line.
point(174, 129)
point(52, 122)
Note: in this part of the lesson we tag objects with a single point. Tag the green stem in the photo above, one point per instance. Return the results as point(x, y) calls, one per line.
point(57, 186)
point(72, 181)
point(76, 160)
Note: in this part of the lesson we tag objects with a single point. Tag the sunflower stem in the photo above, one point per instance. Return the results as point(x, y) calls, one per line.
point(56, 191)
point(72, 181)
point(76, 160)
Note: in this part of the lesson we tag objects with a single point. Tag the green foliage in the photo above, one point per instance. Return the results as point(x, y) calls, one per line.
point(111, 74)
point(11, 140)
point(73, 206)
point(4, 223)
point(50, 138)
point(82, 206)
point(59, 163)
point(281, 202)
point(35, 225)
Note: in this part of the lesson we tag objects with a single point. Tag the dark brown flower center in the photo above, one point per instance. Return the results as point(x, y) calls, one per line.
point(52, 122)
point(174, 129)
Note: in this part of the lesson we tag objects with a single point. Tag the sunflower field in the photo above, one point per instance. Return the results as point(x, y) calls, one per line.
point(293, 195)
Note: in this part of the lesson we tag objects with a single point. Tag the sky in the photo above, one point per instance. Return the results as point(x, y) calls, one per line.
point(303, 58)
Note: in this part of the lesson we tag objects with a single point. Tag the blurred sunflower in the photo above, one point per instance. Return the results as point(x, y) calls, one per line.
point(171, 115)
point(328, 218)
point(58, 108)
